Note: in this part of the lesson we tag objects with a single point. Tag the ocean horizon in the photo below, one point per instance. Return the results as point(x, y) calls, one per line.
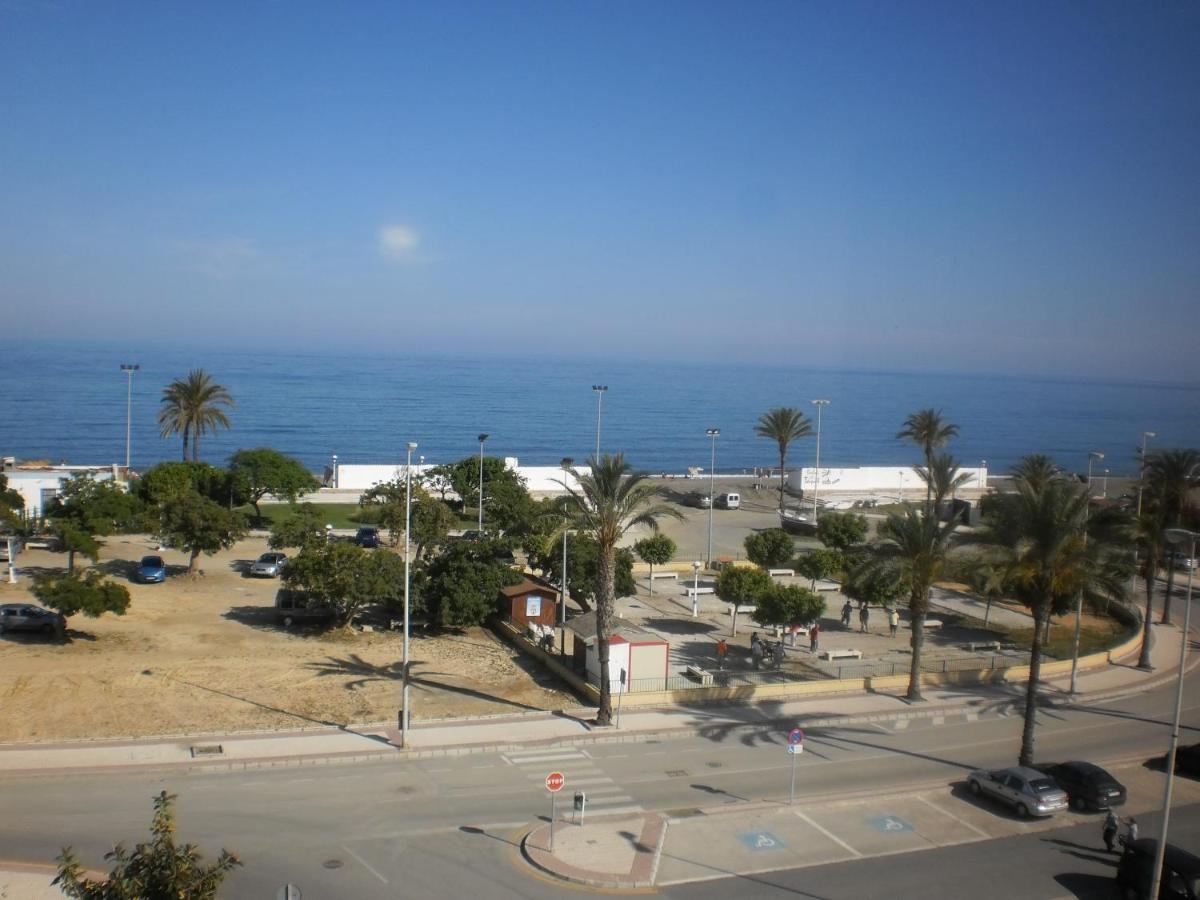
point(67, 402)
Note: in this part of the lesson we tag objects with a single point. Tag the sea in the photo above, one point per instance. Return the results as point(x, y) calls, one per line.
point(67, 403)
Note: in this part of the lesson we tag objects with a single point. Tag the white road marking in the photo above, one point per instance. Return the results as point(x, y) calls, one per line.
point(900, 725)
point(366, 865)
point(525, 759)
point(950, 815)
point(829, 834)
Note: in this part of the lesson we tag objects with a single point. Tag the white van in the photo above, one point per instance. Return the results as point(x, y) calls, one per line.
point(729, 501)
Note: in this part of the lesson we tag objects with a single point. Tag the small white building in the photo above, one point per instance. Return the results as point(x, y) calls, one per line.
point(640, 654)
point(39, 485)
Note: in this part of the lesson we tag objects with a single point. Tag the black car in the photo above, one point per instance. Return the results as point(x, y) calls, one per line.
point(367, 537)
point(1088, 785)
point(1187, 760)
point(1180, 872)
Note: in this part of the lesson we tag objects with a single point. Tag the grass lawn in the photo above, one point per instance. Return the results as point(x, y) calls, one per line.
point(1097, 634)
point(339, 515)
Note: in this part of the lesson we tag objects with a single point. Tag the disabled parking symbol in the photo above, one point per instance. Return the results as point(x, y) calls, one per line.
point(890, 824)
point(761, 840)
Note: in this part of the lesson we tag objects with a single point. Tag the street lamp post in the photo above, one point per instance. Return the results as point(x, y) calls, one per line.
point(713, 434)
point(1143, 657)
point(567, 462)
point(1093, 456)
point(482, 438)
point(696, 589)
point(1175, 536)
point(819, 404)
point(128, 369)
point(404, 716)
point(600, 390)
point(1104, 485)
point(982, 478)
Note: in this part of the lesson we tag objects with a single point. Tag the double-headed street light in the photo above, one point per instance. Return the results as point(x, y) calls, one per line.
point(819, 404)
point(1175, 537)
point(404, 718)
point(713, 434)
point(128, 369)
point(600, 390)
point(1093, 456)
point(482, 438)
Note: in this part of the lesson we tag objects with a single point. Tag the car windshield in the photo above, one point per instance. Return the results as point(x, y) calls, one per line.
point(1042, 785)
point(267, 558)
point(152, 561)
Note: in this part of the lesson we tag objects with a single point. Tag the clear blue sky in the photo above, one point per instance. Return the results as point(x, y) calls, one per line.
point(999, 187)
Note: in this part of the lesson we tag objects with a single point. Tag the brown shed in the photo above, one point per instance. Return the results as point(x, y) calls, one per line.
point(530, 602)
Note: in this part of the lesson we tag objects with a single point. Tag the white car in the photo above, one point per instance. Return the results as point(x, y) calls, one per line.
point(1028, 791)
point(269, 565)
point(1181, 560)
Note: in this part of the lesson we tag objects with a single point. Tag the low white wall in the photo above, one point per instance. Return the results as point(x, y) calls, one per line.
point(357, 477)
point(30, 483)
point(872, 479)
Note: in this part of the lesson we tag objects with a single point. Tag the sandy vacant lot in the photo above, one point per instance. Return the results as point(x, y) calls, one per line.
point(205, 655)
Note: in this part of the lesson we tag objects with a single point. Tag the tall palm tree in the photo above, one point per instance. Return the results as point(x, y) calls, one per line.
point(1172, 475)
point(606, 504)
point(192, 406)
point(943, 477)
point(929, 431)
point(1149, 540)
point(1037, 470)
point(915, 548)
point(1041, 530)
point(783, 425)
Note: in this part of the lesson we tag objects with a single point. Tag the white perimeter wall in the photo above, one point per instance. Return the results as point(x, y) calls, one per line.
point(30, 483)
point(538, 479)
point(871, 479)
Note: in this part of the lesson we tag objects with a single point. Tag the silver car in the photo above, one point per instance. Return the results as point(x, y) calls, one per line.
point(269, 565)
point(1028, 791)
point(27, 617)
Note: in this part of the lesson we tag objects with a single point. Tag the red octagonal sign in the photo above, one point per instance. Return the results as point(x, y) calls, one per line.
point(555, 782)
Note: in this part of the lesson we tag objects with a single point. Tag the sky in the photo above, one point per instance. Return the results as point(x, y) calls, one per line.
point(999, 187)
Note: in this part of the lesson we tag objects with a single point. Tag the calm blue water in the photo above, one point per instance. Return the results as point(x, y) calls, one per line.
point(68, 403)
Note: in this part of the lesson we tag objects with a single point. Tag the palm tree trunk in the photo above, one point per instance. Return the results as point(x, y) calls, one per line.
point(916, 619)
point(195, 445)
point(604, 610)
point(782, 464)
point(186, 433)
point(1166, 613)
point(1144, 656)
point(1031, 689)
point(929, 479)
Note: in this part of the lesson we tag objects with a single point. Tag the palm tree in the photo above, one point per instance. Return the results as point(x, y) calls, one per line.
point(191, 406)
point(606, 504)
point(1148, 538)
point(1171, 475)
point(1037, 470)
point(942, 478)
point(783, 425)
point(927, 430)
point(1042, 531)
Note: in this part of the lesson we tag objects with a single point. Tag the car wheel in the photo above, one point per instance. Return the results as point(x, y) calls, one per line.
point(1022, 811)
point(1078, 804)
point(975, 788)
point(287, 621)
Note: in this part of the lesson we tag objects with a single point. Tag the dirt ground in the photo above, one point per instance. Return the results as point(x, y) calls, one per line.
point(205, 655)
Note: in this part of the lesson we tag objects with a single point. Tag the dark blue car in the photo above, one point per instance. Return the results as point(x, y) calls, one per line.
point(151, 570)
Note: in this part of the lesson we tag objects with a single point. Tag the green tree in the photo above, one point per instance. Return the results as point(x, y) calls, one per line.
point(1149, 539)
point(874, 586)
point(343, 577)
point(841, 530)
point(783, 425)
point(989, 577)
point(606, 504)
point(914, 551)
point(819, 564)
point(192, 406)
point(431, 523)
point(198, 525)
point(169, 478)
point(655, 550)
point(507, 505)
point(97, 507)
point(781, 605)
point(302, 529)
point(264, 471)
point(75, 540)
point(928, 430)
point(1172, 476)
point(1040, 533)
point(88, 593)
point(1037, 470)
point(463, 582)
point(742, 585)
point(583, 567)
point(770, 547)
point(385, 504)
point(158, 870)
point(942, 478)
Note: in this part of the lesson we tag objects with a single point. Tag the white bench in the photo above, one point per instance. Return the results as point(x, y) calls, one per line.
point(840, 654)
point(691, 592)
point(674, 575)
point(932, 623)
point(782, 573)
point(742, 608)
point(984, 645)
point(703, 675)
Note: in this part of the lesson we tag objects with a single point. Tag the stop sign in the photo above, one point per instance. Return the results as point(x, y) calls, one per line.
point(555, 782)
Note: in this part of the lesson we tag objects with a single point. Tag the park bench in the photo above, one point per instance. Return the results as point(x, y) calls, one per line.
point(702, 675)
point(782, 573)
point(933, 623)
point(691, 592)
point(743, 608)
point(994, 646)
point(666, 574)
point(840, 654)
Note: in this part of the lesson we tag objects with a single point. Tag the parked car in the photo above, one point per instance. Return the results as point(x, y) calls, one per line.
point(472, 534)
point(367, 537)
point(27, 617)
point(1180, 874)
point(1088, 786)
point(297, 608)
point(151, 570)
point(1181, 560)
point(13, 540)
point(703, 501)
point(1028, 791)
point(1187, 760)
point(729, 501)
point(269, 565)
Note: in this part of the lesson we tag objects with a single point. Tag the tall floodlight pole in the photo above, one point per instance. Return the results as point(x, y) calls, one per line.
point(713, 434)
point(1093, 456)
point(1144, 656)
point(482, 438)
point(404, 718)
point(128, 369)
point(600, 390)
point(1175, 536)
point(819, 404)
point(567, 462)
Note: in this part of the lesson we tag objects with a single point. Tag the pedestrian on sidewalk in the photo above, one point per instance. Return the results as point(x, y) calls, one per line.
point(814, 636)
point(893, 620)
point(1111, 825)
point(779, 655)
point(722, 649)
point(756, 653)
point(846, 610)
point(1131, 830)
point(863, 617)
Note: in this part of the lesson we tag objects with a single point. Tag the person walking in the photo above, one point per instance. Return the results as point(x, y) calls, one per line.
point(814, 636)
point(893, 620)
point(779, 655)
point(1111, 825)
point(722, 649)
point(756, 653)
point(1131, 830)
point(863, 617)
point(846, 610)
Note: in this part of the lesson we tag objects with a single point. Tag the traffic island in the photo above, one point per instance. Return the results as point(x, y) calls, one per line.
point(614, 852)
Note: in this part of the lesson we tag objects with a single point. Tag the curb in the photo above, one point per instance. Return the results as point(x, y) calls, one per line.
point(641, 874)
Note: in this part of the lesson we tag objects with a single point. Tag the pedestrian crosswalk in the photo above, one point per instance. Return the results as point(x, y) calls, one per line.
point(604, 796)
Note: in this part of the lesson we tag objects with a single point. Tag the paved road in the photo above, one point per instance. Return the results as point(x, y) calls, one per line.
point(447, 825)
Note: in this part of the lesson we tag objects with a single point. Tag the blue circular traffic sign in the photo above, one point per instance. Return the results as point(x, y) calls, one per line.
point(795, 736)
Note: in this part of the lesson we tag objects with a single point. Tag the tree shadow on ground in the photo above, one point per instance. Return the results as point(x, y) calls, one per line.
point(364, 672)
point(264, 618)
point(1084, 886)
point(35, 638)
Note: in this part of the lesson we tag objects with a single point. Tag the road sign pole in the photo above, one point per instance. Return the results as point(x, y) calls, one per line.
point(552, 796)
point(792, 787)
